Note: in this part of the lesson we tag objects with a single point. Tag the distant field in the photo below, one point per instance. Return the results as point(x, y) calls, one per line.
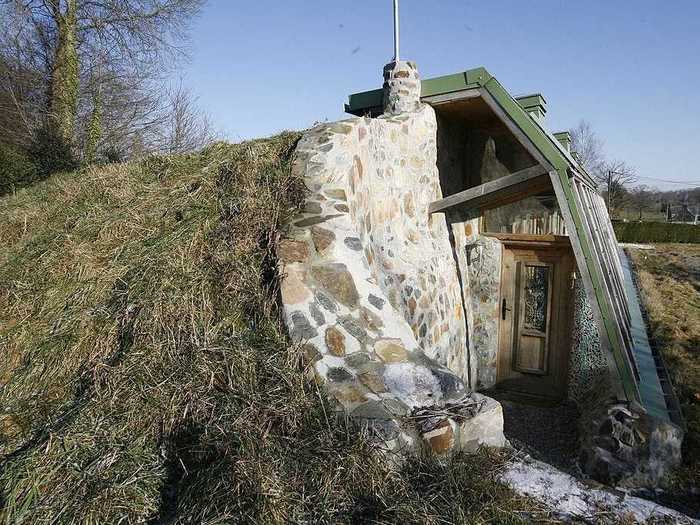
point(669, 278)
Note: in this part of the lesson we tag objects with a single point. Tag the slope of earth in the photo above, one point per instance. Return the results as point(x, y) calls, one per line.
point(668, 277)
point(146, 378)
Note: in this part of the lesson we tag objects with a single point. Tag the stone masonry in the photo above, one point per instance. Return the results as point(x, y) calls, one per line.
point(624, 446)
point(401, 88)
point(370, 287)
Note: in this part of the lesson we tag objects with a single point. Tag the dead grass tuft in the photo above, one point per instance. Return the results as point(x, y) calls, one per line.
point(145, 374)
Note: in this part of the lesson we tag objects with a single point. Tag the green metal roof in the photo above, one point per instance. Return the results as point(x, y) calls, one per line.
point(370, 102)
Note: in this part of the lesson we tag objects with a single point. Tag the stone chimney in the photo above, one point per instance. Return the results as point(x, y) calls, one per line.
point(402, 87)
point(535, 105)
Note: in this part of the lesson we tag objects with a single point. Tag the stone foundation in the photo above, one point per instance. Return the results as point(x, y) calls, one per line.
point(624, 446)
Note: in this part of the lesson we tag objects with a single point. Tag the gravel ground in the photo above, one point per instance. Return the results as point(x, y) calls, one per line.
point(549, 434)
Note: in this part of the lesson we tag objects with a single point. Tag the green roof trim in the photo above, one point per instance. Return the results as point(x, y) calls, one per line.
point(535, 100)
point(364, 102)
point(564, 138)
point(370, 102)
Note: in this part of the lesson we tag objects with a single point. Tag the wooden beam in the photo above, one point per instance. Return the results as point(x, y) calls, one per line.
point(465, 94)
point(494, 190)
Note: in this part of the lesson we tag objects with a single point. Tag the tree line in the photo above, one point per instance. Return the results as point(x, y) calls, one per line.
point(85, 81)
point(619, 182)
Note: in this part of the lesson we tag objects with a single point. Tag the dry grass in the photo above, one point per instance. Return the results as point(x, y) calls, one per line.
point(146, 377)
point(669, 278)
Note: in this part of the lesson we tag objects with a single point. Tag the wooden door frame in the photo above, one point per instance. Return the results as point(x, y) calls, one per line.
point(558, 245)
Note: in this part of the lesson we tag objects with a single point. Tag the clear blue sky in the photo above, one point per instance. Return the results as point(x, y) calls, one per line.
point(629, 67)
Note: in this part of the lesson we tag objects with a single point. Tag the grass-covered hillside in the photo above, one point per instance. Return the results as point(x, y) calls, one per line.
point(145, 376)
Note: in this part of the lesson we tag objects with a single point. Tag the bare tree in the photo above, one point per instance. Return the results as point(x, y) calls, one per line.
point(641, 198)
point(589, 149)
point(77, 48)
point(23, 79)
point(617, 177)
point(185, 127)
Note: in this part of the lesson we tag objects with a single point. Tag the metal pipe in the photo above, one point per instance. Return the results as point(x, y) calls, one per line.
point(396, 31)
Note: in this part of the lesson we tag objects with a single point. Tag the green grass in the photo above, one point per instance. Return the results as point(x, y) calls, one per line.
point(145, 374)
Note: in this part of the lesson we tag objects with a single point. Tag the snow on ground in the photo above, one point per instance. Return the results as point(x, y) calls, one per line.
point(573, 499)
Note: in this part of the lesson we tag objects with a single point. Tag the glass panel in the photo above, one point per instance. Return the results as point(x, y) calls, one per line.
point(536, 287)
point(537, 215)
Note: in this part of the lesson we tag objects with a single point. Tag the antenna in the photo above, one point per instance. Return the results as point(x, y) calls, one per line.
point(396, 31)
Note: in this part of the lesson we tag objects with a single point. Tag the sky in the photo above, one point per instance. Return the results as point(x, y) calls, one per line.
point(629, 67)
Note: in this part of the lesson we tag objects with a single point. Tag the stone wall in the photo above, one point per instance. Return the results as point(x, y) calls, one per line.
point(370, 287)
point(588, 367)
point(479, 259)
point(624, 446)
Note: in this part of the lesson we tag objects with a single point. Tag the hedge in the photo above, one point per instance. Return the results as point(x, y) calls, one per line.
point(656, 232)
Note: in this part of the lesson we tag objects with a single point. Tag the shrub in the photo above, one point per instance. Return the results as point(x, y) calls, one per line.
point(16, 168)
point(51, 153)
point(656, 232)
point(113, 155)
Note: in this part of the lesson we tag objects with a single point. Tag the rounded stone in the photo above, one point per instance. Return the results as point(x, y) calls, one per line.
point(373, 381)
point(353, 243)
point(335, 341)
point(375, 301)
point(339, 375)
point(338, 282)
point(370, 320)
point(301, 328)
point(322, 238)
point(442, 439)
point(293, 288)
point(311, 353)
point(336, 194)
point(391, 351)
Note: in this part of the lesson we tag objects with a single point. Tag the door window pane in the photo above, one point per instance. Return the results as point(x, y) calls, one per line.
point(535, 295)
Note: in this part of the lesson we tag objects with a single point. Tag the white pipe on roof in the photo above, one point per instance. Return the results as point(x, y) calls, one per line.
point(396, 31)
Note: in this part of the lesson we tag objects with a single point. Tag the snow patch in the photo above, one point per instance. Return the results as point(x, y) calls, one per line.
point(572, 499)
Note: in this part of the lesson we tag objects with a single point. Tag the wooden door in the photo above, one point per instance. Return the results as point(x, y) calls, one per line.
point(535, 320)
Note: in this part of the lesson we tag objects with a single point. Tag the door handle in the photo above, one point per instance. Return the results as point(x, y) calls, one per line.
point(504, 309)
